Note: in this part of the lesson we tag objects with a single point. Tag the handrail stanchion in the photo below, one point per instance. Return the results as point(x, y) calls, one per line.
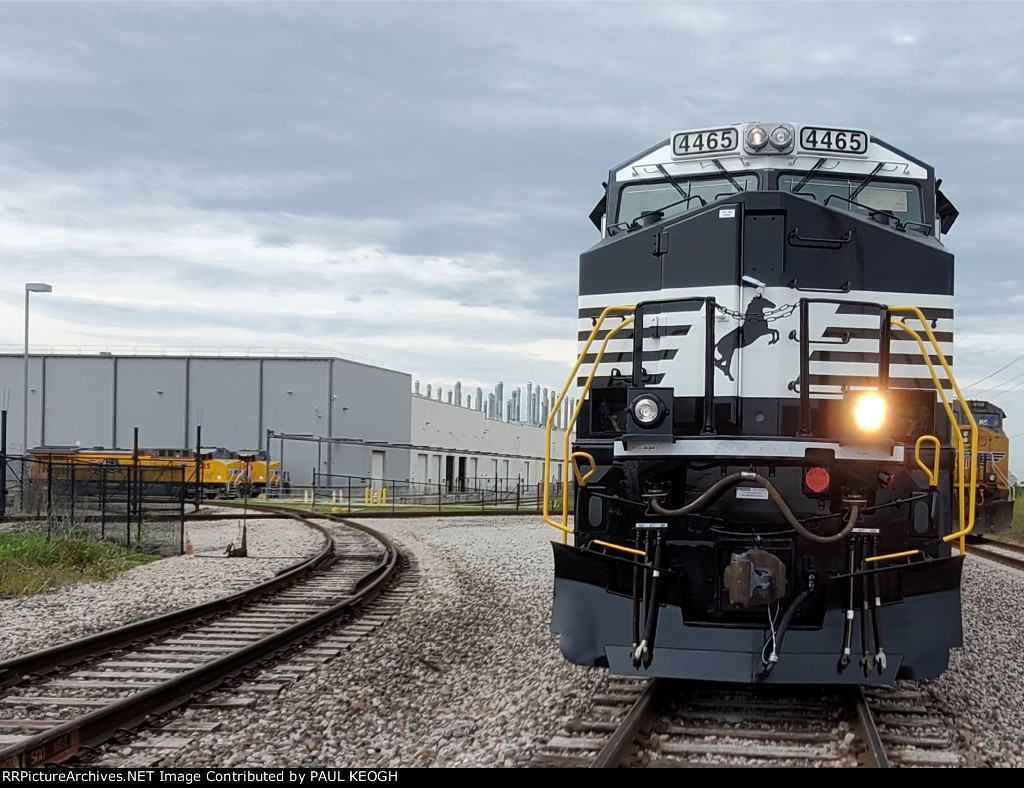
point(563, 525)
point(967, 490)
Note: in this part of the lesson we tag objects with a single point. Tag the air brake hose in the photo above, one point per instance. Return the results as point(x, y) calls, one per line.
point(865, 643)
point(637, 579)
point(787, 617)
point(651, 622)
point(880, 652)
point(844, 657)
point(774, 494)
point(645, 606)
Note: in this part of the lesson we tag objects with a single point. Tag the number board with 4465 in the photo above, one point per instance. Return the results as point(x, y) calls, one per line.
point(813, 139)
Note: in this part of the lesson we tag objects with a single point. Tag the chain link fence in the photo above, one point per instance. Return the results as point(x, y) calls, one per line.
point(137, 507)
point(360, 493)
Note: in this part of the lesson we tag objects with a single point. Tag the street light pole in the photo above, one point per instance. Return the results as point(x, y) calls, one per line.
point(30, 287)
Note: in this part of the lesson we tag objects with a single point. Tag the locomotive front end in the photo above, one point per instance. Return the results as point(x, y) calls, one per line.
point(769, 477)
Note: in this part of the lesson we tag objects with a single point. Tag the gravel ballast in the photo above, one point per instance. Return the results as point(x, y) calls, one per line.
point(468, 674)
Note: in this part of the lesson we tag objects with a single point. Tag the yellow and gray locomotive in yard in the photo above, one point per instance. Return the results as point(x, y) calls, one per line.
point(222, 473)
point(769, 474)
point(994, 494)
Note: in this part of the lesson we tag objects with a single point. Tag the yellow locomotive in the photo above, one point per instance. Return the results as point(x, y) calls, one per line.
point(253, 472)
point(222, 473)
point(994, 495)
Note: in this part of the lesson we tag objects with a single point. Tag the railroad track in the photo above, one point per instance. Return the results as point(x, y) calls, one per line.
point(1005, 553)
point(61, 704)
point(662, 723)
point(649, 724)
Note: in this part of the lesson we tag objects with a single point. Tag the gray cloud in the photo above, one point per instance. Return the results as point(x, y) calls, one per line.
point(410, 181)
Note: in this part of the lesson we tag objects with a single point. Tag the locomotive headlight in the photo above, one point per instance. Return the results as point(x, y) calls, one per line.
point(648, 415)
point(757, 137)
point(866, 417)
point(869, 411)
point(781, 137)
point(648, 411)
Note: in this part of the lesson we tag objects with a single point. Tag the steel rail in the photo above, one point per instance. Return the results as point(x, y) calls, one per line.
point(990, 551)
point(46, 660)
point(65, 740)
point(875, 755)
point(623, 738)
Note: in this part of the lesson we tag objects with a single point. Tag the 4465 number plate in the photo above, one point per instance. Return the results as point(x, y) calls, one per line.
point(701, 143)
point(833, 140)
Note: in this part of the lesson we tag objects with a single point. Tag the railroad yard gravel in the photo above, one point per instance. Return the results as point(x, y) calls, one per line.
point(468, 674)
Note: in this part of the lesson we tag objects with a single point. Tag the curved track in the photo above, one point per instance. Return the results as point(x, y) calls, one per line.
point(70, 698)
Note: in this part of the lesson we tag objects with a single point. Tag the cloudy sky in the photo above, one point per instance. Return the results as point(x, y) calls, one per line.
point(409, 182)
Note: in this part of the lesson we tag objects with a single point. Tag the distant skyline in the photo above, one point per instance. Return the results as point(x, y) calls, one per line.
point(408, 183)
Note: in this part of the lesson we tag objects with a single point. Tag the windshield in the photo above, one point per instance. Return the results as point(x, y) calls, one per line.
point(678, 196)
point(989, 420)
point(902, 200)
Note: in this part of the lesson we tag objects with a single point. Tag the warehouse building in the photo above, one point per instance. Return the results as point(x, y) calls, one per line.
point(332, 416)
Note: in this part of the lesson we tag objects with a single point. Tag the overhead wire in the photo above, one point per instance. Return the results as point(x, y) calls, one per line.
point(996, 387)
point(1012, 388)
point(975, 383)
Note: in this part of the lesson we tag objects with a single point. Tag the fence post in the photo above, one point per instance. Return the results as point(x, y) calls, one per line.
point(3, 462)
point(103, 502)
point(128, 506)
point(181, 510)
point(49, 494)
point(74, 496)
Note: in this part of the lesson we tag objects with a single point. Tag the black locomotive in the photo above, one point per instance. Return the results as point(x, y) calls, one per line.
point(769, 477)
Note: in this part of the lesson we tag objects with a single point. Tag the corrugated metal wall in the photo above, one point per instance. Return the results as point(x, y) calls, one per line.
point(101, 400)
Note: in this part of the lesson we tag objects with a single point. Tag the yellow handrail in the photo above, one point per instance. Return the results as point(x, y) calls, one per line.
point(613, 546)
point(933, 473)
point(966, 490)
point(582, 479)
point(563, 525)
point(904, 554)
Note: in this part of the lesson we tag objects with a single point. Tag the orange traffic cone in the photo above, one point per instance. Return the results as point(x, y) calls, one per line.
point(188, 546)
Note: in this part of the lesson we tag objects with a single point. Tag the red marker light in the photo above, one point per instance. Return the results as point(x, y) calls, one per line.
point(817, 479)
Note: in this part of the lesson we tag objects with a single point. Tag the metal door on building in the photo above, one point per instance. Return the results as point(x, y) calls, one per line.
point(377, 466)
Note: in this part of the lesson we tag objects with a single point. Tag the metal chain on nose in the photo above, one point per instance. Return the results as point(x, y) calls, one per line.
point(765, 317)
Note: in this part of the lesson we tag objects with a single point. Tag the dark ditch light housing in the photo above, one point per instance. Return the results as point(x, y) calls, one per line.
point(649, 415)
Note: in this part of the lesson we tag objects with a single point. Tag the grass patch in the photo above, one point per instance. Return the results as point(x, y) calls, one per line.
point(1017, 527)
point(33, 563)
